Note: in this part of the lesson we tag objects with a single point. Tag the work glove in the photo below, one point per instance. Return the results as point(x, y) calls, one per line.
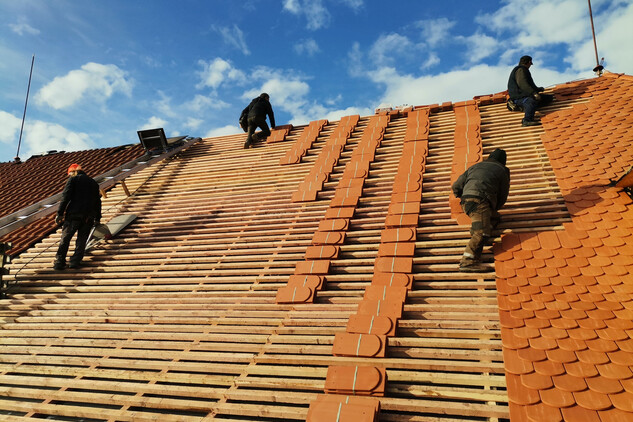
point(537, 97)
point(59, 220)
point(540, 89)
point(97, 222)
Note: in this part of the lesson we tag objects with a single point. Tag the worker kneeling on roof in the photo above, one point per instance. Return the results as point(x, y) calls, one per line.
point(483, 189)
point(524, 94)
point(255, 116)
point(79, 211)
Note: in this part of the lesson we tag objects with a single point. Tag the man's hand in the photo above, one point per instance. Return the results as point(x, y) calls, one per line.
point(59, 220)
point(540, 89)
point(537, 97)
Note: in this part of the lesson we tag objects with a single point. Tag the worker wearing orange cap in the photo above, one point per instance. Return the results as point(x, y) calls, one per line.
point(78, 211)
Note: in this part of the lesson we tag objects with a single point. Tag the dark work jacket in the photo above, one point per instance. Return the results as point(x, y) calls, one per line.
point(520, 83)
point(260, 107)
point(489, 180)
point(80, 198)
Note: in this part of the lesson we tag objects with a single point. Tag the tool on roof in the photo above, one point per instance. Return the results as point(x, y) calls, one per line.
point(109, 230)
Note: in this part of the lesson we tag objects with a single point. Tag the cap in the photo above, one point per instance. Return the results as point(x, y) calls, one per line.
point(498, 155)
point(525, 60)
point(264, 95)
point(73, 167)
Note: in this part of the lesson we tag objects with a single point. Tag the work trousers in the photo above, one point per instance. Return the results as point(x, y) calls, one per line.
point(483, 220)
point(82, 227)
point(529, 104)
point(255, 122)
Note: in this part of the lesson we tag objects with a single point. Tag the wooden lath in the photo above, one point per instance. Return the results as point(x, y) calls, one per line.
point(176, 318)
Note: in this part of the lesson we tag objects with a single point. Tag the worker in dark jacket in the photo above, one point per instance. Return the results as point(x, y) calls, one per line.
point(483, 189)
point(255, 114)
point(79, 211)
point(523, 92)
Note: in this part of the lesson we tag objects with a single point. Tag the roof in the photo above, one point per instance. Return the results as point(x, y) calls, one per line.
point(28, 182)
point(315, 277)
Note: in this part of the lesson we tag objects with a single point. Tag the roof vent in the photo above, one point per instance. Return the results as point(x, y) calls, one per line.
point(155, 142)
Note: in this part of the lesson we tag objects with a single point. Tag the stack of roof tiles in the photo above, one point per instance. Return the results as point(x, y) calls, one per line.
point(314, 277)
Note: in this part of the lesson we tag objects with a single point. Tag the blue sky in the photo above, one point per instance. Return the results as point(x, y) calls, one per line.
point(104, 69)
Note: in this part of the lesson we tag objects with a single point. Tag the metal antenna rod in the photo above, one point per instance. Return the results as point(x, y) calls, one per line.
point(598, 67)
point(28, 89)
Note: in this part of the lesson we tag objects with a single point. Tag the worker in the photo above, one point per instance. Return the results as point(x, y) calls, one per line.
point(255, 114)
point(78, 212)
point(524, 94)
point(483, 189)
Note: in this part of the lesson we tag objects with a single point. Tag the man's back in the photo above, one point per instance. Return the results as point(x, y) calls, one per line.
point(488, 179)
point(81, 196)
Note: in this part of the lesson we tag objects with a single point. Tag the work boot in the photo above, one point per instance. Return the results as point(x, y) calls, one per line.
point(74, 264)
point(247, 144)
point(59, 265)
point(512, 106)
point(475, 267)
point(530, 123)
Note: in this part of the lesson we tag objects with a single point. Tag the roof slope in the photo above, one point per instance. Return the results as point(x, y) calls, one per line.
point(271, 283)
point(28, 182)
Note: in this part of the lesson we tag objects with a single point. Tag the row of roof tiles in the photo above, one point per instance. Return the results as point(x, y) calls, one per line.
point(566, 297)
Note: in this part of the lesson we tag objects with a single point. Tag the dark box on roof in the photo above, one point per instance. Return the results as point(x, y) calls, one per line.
point(152, 139)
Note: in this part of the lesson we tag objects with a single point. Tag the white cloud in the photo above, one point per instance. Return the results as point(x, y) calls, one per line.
point(41, 136)
point(435, 31)
point(223, 131)
point(193, 123)
point(233, 37)
point(153, 123)
point(163, 105)
point(388, 47)
point(355, 61)
point(431, 61)
point(22, 28)
point(95, 81)
point(354, 4)
point(287, 90)
point(218, 71)
point(199, 103)
point(547, 23)
point(316, 14)
point(479, 46)
point(335, 100)
point(540, 22)
point(308, 47)
point(292, 6)
point(9, 128)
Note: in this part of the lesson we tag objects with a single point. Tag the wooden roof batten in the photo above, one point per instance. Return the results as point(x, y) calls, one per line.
point(176, 319)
